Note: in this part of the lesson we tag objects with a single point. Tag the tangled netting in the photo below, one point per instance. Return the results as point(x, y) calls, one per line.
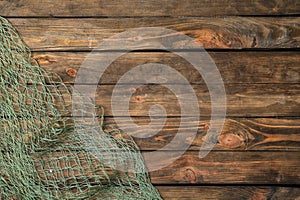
point(42, 153)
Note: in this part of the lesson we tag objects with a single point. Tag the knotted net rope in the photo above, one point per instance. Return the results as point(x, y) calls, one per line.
point(42, 153)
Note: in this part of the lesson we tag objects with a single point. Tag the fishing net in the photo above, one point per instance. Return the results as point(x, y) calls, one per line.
point(43, 155)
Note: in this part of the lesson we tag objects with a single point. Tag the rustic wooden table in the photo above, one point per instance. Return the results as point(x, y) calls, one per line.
point(255, 44)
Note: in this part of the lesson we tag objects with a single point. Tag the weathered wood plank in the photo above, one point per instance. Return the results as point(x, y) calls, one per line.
point(79, 8)
point(215, 168)
point(228, 192)
point(237, 134)
point(235, 67)
point(219, 33)
point(242, 100)
point(231, 167)
point(258, 134)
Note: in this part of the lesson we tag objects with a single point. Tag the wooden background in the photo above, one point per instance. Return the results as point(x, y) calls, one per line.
point(255, 44)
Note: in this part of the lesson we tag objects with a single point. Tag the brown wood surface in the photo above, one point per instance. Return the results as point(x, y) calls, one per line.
point(216, 168)
point(234, 67)
point(217, 33)
point(228, 193)
point(260, 140)
point(238, 134)
point(231, 167)
point(243, 100)
point(91, 8)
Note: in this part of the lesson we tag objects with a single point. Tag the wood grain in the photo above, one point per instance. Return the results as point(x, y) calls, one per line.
point(228, 193)
point(229, 167)
point(211, 33)
point(238, 134)
point(215, 168)
point(92, 8)
point(260, 140)
point(243, 100)
point(234, 67)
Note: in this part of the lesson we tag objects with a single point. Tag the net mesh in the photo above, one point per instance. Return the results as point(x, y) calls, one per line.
point(43, 155)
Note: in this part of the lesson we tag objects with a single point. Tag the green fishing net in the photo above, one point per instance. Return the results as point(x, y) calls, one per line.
point(43, 155)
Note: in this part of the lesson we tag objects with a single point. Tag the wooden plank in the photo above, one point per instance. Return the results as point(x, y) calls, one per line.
point(271, 168)
point(215, 168)
point(242, 100)
point(211, 33)
point(237, 134)
point(231, 167)
point(92, 8)
point(235, 67)
point(241, 134)
point(228, 192)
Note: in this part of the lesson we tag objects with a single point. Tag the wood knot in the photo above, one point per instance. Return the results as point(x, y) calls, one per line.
point(189, 175)
point(231, 140)
point(138, 98)
point(235, 135)
point(71, 72)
